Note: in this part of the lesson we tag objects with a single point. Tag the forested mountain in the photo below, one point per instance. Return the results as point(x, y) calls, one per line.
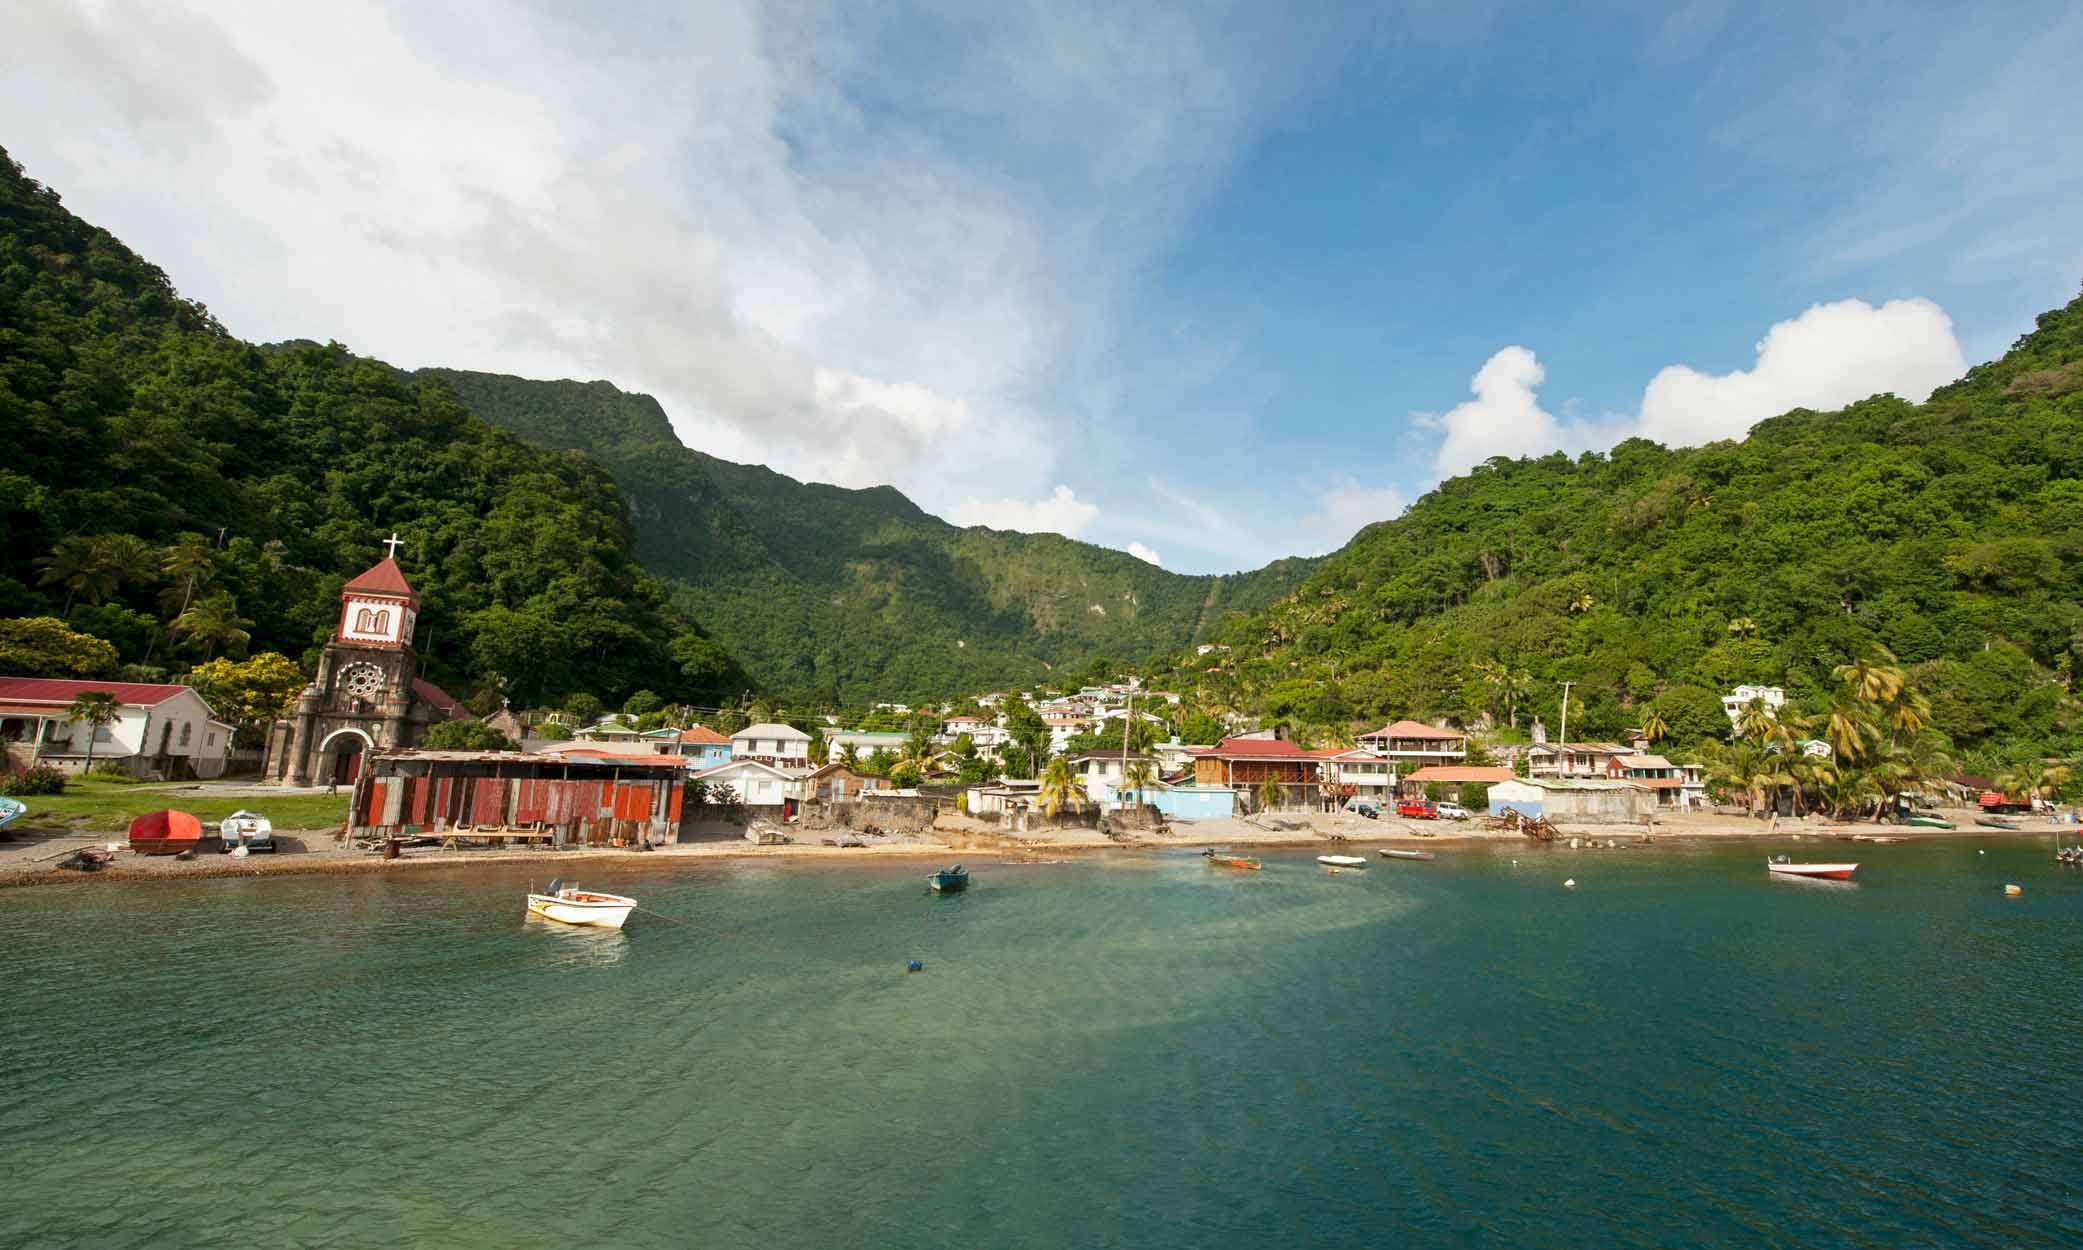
point(181, 493)
point(1950, 532)
point(854, 595)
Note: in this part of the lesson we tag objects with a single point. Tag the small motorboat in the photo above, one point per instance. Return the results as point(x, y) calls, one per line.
point(249, 831)
point(1821, 872)
point(567, 904)
point(1343, 861)
point(167, 832)
point(948, 880)
point(1223, 859)
point(1929, 822)
point(11, 810)
point(1997, 822)
point(1390, 852)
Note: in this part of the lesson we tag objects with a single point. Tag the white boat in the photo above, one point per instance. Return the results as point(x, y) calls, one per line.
point(247, 831)
point(1826, 872)
point(1342, 861)
point(571, 905)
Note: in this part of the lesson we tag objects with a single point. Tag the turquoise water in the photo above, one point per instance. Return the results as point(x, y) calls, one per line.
point(1137, 1051)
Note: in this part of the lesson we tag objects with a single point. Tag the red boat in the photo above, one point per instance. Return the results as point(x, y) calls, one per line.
point(1825, 872)
point(165, 833)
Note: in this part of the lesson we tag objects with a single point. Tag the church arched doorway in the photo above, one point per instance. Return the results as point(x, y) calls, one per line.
point(340, 757)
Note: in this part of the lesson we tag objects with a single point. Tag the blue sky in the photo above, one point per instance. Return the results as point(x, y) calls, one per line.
point(1212, 282)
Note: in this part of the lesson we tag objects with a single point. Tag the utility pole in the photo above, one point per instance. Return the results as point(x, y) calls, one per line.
point(1562, 760)
point(1128, 720)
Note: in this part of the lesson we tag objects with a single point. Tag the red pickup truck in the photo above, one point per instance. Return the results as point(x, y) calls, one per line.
point(1417, 809)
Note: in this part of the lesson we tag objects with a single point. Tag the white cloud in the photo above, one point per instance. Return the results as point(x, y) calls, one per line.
point(1345, 507)
point(1140, 552)
point(1829, 356)
point(1061, 513)
point(853, 257)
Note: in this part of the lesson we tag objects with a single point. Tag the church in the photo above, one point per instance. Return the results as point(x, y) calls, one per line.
point(368, 694)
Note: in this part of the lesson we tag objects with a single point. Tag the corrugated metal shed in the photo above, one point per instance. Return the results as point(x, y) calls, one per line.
point(588, 800)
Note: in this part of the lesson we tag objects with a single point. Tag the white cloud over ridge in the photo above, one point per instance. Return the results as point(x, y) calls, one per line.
point(1344, 507)
point(1829, 356)
point(1062, 512)
point(1140, 552)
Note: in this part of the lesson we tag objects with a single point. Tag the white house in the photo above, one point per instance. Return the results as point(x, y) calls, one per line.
point(783, 746)
point(1411, 744)
point(162, 730)
point(1101, 772)
point(756, 784)
point(1773, 697)
point(1360, 774)
point(864, 743)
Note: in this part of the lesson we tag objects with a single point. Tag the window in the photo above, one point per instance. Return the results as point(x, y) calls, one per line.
point(383, 623)
point(364, 621)
point(187, 731)
point(210, 740)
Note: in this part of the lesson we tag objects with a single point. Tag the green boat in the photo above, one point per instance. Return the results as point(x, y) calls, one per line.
point(1929, 822)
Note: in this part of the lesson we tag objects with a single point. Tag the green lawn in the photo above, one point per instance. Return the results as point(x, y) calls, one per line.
point(99, 805)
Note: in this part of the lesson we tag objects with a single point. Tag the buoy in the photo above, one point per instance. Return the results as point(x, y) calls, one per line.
point(916, 965)
point(2013, 890)
point(1981, 852)
point(1570, 884)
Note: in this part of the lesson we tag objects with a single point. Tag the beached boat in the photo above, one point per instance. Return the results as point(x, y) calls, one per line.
point(1389, 852)
point(166, 832)
point(1223, 859)
point(1929, 822)
point(1824, 872)
point(949, 879)
point(250, 830)
point(567, 904)
point(11, 810)
point(1343, 861)
point(1997, 822)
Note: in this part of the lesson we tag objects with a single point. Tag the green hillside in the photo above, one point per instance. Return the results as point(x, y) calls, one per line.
point(853, 595)
point(181, 493)
point(1950, 532)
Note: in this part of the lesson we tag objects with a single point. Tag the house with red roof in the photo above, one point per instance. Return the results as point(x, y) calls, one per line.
point(701, 745)
point(1414, 744)
point(1245, 764)
point(164, 731)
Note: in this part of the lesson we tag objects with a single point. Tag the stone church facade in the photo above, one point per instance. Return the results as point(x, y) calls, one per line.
point(367, 695)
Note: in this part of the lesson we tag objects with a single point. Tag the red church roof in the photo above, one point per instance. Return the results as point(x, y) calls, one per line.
point(384, 578)
point(428, 692)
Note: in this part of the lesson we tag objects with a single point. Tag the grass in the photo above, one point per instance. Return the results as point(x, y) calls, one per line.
point(101, 805)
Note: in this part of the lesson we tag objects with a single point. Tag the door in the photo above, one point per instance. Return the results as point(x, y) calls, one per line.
point(347, 759)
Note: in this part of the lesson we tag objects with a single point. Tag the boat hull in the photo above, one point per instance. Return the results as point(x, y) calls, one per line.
point(1819, 872)
point(1342, 861)
point(1396, 854)
point(602, 911)
point(1235, 861)
point(947, 883)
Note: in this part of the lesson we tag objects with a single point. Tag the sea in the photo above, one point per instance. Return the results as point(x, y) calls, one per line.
point(1132, 1049)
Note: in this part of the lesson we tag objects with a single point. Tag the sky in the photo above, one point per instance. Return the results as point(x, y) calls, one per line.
point(1210, 283)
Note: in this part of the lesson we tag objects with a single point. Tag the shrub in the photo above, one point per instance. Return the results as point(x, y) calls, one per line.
point(38, 779)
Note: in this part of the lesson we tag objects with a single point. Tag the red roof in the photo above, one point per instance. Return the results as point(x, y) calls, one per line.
point(384, 578)
point(440, 698)
point(702, 733)
point(1254, 748)
point(1414, 729)
point(54, 690)
point(1459, 773)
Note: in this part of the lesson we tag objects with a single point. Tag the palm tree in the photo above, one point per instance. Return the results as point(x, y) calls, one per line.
point(2034, 778)
point(1138, 777)
point(1910, 714)
point(98, 708)
point(187, 564)
point(1060, 784)
point(214, 622)
point(1873, 677)
point(1741, 767)
point(1848, 730)
point(1743, 627)
point(1269, 794)
point(1756, 722)
point(1654, 730)
point(850, 758)
point(76, 565)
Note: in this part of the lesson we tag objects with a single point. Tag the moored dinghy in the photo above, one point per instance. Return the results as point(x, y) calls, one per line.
point(1391, 852)
point(568, 904)
point(1819, 872)
point(1343, 861)
point(949, 879)
point(1226, 859)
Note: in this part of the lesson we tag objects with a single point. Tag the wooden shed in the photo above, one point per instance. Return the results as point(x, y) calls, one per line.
point(587, 800)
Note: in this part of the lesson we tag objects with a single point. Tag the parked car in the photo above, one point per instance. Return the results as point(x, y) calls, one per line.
point(1453, 811)
point(1364, 807)
point(1417, 809)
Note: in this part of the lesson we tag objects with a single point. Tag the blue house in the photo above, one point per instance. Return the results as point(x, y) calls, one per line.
point(702, 747)
point(1193, 802)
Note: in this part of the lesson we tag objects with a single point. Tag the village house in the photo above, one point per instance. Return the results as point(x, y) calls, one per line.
point(864, 743)
point(752, 782)
point(1243, 764)
point(162, 731)
point(609, 729)
point(1357, 774)
point(955, 726)
point(701, 747)
point(835, 783)
point(1575, 801)
point(1062, 728)
point(1573, 759)
point(1101, 772)
point(1674, 789)
point(1003, 798)
point(1773, 697)
point(590, 800)
point(1417, 785)
point(1411, 744)
point(1173, 756)
point(783, 746)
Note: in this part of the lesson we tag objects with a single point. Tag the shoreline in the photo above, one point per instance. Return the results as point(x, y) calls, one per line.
point(28, 864)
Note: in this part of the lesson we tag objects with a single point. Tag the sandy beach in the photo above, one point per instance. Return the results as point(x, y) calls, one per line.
point(35, 856)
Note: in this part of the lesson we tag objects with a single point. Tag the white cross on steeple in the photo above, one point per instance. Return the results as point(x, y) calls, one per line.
point(394, 542)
